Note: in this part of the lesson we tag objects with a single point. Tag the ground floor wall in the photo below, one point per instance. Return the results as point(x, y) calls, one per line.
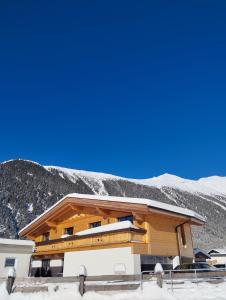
point(102, 262)
point(22, 264)
point(49, 267)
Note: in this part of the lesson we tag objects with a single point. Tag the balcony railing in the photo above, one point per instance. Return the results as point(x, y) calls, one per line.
point(74, 243)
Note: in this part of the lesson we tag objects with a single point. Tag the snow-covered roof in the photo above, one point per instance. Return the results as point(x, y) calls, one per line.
point(198, 250)
point(218, 251)
point(107, 228)
point(16, 242)
point(150, 203)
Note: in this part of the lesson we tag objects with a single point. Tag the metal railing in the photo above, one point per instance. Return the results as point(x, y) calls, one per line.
point(173, 277)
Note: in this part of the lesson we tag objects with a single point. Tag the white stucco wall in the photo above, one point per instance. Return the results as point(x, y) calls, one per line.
point(21, 251)
point(22, 264)
point(101, 262)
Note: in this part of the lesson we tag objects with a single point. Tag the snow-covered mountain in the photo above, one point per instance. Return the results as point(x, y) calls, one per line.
point(28, 188)
point(213, 185)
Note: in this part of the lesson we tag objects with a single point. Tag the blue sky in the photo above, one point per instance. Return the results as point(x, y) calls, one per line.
point(133, 88)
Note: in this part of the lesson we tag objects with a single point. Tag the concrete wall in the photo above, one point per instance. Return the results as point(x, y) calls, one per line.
point(101, 262)
point(22, 264)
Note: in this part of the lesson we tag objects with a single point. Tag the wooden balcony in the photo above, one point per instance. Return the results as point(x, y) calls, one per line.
point(88, 242)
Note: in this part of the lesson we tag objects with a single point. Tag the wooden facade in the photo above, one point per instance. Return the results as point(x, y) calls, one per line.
point(158, 232)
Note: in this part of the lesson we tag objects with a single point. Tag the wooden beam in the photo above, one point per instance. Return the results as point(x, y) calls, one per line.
point(105, 214)
point(110, 205)
point(31, 237)
point(51, 224)
point(139, 218)
point(76, 209)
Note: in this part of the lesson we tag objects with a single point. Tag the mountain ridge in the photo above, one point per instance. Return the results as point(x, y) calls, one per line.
point(203, 185)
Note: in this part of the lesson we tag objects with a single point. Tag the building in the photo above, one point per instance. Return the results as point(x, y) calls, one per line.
point(17, 254)
point(108, 234)
point(217, 256)
point(201, 255)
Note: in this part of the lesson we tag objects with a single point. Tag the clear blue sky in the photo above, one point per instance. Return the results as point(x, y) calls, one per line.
point(133, 88)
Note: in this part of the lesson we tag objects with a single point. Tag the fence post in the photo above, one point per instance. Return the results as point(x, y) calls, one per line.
point(171, 277)
point(196, 278)
point(10, 280)
point(141, 280)
point(159, 273)
point(82, 278)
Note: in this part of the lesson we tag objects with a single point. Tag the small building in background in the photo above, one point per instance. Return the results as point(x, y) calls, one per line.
point(17, 254)
point(108, 233)
point(201, 255)
point(217, 256)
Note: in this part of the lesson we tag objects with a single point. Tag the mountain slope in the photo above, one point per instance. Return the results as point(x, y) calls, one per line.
point(27, 189)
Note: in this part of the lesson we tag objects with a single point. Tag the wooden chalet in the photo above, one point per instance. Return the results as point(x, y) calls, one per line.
point(109, 234)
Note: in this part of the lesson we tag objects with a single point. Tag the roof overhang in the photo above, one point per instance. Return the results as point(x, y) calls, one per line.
point(66, 207)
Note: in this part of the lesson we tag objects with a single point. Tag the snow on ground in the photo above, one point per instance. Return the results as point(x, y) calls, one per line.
point(187, 291)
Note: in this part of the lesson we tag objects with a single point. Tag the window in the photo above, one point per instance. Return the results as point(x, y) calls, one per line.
point(183, 236)
point(95, 224)
point(45, 236)
point(10, 262)
point(69, 230)
point(126, 218)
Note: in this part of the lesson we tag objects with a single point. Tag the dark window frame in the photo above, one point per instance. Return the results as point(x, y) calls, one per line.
point(126, 218)
point(95, 224)
point(69, 230)
point(8, 262)
point(46, 236)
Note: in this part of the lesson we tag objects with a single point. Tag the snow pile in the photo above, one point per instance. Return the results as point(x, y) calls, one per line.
point(12, 272)
point(106, 228)
point(158, 268)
